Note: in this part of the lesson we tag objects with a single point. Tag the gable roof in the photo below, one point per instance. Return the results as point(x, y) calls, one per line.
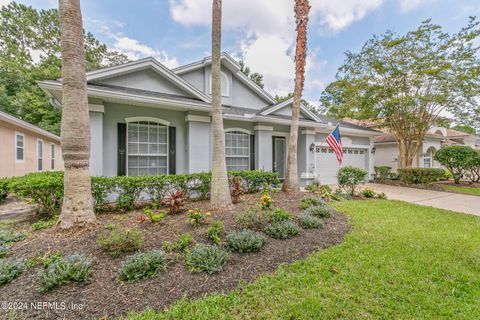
point(233, 66)
point(270, 109)
point(145, 63)
point(27, 126)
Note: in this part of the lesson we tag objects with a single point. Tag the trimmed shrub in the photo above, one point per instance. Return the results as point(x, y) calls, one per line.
point(4, 251)
point(319, 211)
point(206, 258)
point(350, 177)
point(129, 190)
point(181, 244)
point(282, 230)
point(382, 172)
point(9, 236)
point(143, 265)
point(279, 214)
point(255, 180)
point(420, 175)
point(4, 189)
point(252, 218)
point(101, 188)
point(310, 202)
point(245, 240)
point(215, 231)
point(9, 270)
point(456, 159)
point(307, 221)
point(120, 240)
point(58, 271)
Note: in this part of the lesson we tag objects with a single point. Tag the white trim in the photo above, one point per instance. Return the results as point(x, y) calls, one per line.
point(52, 156)
point(308, 131)
point(96, 107)
point(143, 64)
point(263, 128)
point(23, 148)
point(238, 130)
point(27, 126)
point(307, 175)
point(287, 102)
point(149, 119)
point(195, 118)
point(280, 134)
point(225, 87)
point(38, 169)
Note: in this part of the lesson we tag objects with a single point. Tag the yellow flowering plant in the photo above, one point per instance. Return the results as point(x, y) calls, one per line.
point(266, 201)
point(196, 217)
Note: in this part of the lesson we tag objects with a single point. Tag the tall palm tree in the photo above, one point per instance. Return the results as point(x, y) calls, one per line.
point(301, 16)
point(77, 208)
point(220, 191)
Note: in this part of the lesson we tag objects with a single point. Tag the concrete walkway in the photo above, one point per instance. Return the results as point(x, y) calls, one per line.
point(443, 200)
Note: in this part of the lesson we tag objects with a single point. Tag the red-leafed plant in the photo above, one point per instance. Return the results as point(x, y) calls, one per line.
point(174, 201)
point(236, 189)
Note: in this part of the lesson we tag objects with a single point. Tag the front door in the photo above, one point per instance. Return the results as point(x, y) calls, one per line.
point(279, 152)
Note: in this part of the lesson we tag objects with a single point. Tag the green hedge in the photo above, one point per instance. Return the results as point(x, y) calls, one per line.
point(421, 175)
point(46, 188)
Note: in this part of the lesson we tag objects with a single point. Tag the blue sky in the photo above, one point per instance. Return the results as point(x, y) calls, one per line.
point(260, 31)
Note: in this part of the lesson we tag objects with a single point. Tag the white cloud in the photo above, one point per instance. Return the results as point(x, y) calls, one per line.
point(4, 2)
point(408, 5)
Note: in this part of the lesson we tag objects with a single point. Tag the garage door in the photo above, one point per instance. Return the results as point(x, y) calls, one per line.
point(326, 164)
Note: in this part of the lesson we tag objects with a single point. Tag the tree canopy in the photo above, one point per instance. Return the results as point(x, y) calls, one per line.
point(407, 81)
point(30, 51)
point(254, 76)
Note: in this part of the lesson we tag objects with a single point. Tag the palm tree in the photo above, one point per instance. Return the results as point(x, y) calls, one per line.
point(220, 190)
point(77, 208)
point(301, 16)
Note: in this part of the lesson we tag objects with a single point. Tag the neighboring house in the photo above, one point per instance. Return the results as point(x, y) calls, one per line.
point(387, 153)
point(147, 119)
point(26, 148)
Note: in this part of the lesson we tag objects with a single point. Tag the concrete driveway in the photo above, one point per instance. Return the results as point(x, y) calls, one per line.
point(436, 199)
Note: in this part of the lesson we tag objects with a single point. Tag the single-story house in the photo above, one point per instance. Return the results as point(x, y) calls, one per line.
point(387, 153)
point(147, 119)
point(26, 148)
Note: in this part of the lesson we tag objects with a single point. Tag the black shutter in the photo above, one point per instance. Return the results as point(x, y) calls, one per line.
point(172, 146)
point(252, 152)
point(121, 149)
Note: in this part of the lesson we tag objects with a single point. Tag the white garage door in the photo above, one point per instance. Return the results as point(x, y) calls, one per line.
point(326, 164)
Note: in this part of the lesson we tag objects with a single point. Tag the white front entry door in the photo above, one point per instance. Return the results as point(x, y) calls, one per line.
point(326, 164)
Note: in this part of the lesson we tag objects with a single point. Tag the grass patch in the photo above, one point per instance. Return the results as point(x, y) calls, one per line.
point(460, 189)
point(401, 261)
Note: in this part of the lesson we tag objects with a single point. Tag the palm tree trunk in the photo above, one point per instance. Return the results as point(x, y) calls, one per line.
point(220, 190)
point(301, 16)
point(77, 206)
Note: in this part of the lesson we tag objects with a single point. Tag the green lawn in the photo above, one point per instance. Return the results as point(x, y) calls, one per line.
point(461, 189)
point(401, 261)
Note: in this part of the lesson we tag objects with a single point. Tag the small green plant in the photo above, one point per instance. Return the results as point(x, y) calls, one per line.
point(236, 189)
point(282, 230)
point(382, 195)
point(4, 251)
point(319, 211)
point(44, 223)
point(245, 241)
point(9, 236)
point(206, 258)
point(313, 186)
point(279, 214)
point(215, 230)
point(252, 218)
point(9, 270)
point(119, 240)
point(4, 189)
point(154, 216)
point(143, 265)
point(265, 201)
point(326, 193)
point(368, 193)
point(181, 244)
point(197, 217)
point(307, 221)
point(350, 177)
point(175, 201)
point(310, 201)
point(58, 271)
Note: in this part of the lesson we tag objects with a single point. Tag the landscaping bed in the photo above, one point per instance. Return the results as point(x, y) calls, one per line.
point(106, 296)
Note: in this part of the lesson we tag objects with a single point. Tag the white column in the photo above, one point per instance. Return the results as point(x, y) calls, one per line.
point(263, 148)
point(198, 143)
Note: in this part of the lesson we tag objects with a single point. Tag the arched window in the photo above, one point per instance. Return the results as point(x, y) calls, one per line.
point(237, 149)
point(428, 158)
point(225, 84)
point(147, 146)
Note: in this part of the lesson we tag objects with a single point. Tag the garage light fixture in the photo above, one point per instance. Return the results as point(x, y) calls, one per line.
point(374, 150)
point(312, 147)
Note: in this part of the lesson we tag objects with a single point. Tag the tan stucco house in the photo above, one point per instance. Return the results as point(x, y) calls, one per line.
point(25, 148)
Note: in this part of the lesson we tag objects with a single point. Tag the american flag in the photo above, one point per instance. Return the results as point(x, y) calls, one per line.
point(335, 142)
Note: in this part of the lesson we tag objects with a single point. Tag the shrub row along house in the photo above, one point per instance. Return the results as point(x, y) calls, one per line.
point(147, 119)
point(25, 148)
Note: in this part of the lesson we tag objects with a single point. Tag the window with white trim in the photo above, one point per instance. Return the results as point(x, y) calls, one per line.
point(428, 158)
point(39, 155)
point(225, 85)
point(19, 147)
point(147, 148)
point(237, 150)
point(52, 157)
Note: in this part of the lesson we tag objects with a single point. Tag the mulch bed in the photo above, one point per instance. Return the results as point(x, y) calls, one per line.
point(106, 297)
